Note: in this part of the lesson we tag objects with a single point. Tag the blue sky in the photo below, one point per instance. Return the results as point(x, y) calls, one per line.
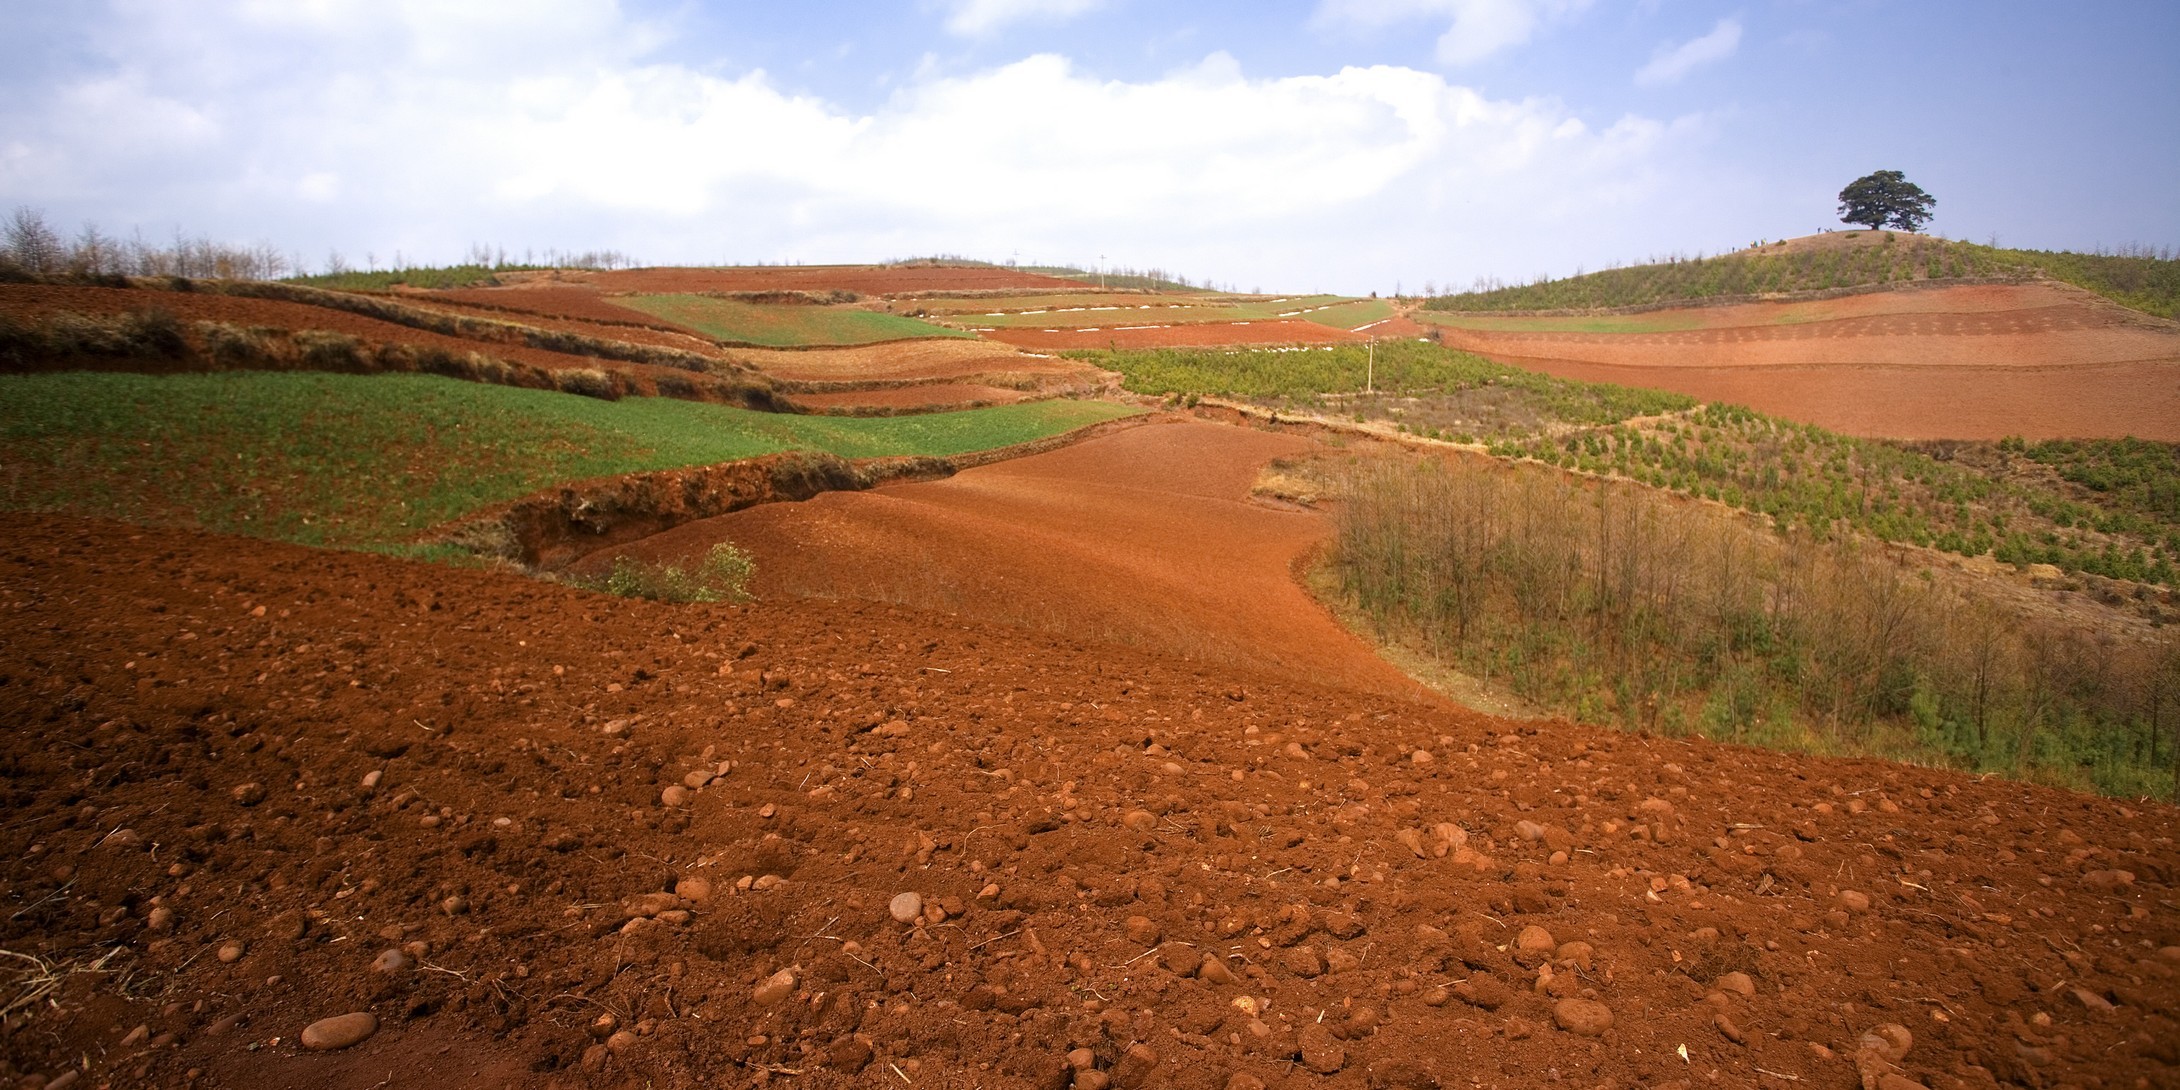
point(1344, 145)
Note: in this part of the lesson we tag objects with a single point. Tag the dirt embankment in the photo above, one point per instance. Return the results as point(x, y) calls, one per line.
point(535, 837)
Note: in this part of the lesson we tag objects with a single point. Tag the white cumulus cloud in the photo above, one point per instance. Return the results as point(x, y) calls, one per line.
point(975, 18)
point(1672, 63)
point(1479, 28)
point(396, 128)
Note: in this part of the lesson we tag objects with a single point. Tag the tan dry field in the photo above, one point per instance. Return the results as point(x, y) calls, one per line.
point(1186, 335)
point(1969, 362)
point(1146, 537)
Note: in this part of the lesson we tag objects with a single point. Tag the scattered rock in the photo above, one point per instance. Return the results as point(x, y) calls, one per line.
point(775, 988)
point(1214, 970)
point(1584, 1017)
point(339, 1031)
point(1143, 931)
point(1134, 1067)
point(906, 907)
point(1321, 1051)
point(1890, 1041)
point(1854, 900)
point(1738, 983)
point(1141, 821)
point(2109, 881)
point(1401, 1074)
point(231, 952)
point(391, 962)
point(2093, 1001)
point(694, 889)
point(675, 795)
point(249, 794)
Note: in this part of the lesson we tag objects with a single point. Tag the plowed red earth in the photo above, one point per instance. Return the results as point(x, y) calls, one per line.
point(663, 334)
point(238, 773)
point(1983, 362)
point(1192, 334)
point(863, 279)
point(1145, 537)
point(30, 301)
point(580, 303)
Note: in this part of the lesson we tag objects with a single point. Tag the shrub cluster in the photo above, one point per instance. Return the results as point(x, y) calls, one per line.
point(1617, 603)
point(723, 575)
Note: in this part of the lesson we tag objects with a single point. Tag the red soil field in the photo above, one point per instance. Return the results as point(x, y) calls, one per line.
point(568, 301)
point(912, 361)
point(238, 774)
point(660, 332)
point(1981, 362)
point(862, 279)
point(1189, 335)
point(1145, 537)
point(932, 397)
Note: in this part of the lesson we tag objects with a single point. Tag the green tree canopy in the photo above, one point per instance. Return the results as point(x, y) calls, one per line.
point(1885, 198)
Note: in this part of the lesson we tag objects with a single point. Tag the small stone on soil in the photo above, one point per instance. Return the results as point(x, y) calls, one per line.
point(339, 1031)
point(907, 907)
point(1585, 1017)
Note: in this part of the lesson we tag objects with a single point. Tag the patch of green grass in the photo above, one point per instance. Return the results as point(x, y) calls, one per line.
point(1306, 376)
point(435, 278)
point(781, 326)
point(1111, 313)
point(1352, 315)
point(371, 461)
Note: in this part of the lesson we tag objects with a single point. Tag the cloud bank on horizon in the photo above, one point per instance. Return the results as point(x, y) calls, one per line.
point(1348, 145)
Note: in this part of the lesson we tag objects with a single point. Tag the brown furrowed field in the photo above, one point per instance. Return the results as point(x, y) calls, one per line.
point(1969, 362)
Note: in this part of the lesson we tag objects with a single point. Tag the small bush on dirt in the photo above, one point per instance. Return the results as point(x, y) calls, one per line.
point(587, 382)
point(722, 576)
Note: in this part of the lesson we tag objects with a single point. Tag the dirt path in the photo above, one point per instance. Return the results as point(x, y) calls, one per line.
point(238, 774)
point(1979, 362)
point(1146, 538)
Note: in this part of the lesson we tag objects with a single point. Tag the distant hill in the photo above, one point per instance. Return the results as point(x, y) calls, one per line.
point(1836, 261)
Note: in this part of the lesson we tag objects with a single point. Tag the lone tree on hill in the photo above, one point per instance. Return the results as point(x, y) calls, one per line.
point(1885, 199)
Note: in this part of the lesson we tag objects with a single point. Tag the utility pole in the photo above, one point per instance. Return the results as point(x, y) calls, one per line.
point(1370, 375)
point(1101, 272)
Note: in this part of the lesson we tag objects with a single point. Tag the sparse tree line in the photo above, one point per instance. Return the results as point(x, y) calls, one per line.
point(30, 246)
point(1615, 603)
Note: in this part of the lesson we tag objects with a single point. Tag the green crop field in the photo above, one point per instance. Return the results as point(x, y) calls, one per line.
point(1353, 315)
point(358, 461)
point(1307, 376)
point(781, 326)
point(1108, 312)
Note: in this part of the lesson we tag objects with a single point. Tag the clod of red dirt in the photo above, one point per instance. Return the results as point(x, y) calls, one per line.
point(147, 673)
